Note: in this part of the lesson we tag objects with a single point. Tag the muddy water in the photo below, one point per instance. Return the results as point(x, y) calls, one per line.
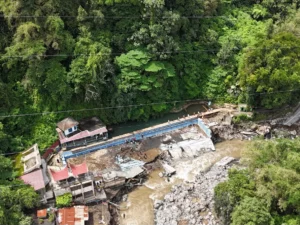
point(140, 201)
point(188, 169)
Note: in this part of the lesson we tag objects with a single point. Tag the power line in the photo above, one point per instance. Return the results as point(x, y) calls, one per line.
point(113, 17)
point(163, 52)
point(99, 108)
point(102, 54)
point(267, 93)
point(133, 105)
point(273, 92)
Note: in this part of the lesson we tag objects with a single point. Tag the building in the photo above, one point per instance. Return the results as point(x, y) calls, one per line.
point(31, 159)
point(45, 217)
point(35, 173)
point(77, 180)
point(50, 151)
point(76, 215)
point(36, 180)
point(74, 134)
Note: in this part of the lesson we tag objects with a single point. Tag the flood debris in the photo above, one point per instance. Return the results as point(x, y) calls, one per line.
point(169, 170)
point(115, 171)
point(193, 202)
point(127, 163)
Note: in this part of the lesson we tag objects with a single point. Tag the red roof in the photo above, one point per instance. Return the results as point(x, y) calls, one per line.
point(50, 149)
point(83, 134)
point(61, 174)
point(79, 169)
point(73, 216)
point(35, 179)
point(42, 213)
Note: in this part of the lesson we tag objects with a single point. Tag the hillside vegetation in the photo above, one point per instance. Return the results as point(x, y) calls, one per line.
point(268, 191)
point(63, 55)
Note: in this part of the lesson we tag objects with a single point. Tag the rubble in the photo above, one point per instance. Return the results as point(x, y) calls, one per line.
point(188, 148)
point(169, 170)
point(193, 201)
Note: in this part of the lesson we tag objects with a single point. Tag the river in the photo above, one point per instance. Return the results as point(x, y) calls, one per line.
point(140, 201)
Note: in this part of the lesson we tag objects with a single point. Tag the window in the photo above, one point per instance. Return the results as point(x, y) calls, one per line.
point(70, 130)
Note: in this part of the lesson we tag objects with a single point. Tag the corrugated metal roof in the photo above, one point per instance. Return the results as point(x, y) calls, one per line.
point(50, 149)
point(42, 213)
point(79, 169)
point(61, 174)
point(73, 216)
point(35, 179)
point(81, 135)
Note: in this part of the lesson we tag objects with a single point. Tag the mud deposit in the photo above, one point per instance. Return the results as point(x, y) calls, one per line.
point(140, 202)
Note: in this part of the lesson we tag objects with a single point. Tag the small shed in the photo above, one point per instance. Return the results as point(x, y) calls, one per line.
point(42, 213)
point(67, 125)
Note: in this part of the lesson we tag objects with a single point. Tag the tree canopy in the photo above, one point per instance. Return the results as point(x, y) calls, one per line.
point(268, 191)
point(15, 196)
point(63, 55)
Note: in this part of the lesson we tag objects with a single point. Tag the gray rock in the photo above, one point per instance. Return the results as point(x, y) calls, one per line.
point(179, 204)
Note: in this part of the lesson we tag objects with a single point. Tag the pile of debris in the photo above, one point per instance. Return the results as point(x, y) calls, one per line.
point(241, 132)
point(192, 202)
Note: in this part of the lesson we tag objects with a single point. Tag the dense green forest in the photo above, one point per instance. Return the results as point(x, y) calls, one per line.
point(268, 191)
point(61, 55)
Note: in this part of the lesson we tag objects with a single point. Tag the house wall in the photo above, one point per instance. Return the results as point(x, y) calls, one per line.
point(85, 141)
point(70, 130)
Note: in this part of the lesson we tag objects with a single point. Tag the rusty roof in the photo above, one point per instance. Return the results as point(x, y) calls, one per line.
point(73, 216)
point(42, 213)
point(91, 124)
point(67, 123)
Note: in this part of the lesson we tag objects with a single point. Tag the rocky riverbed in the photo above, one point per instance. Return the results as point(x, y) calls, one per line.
point(191, 203)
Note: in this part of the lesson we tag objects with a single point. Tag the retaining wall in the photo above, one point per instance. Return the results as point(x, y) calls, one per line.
point(139, 135)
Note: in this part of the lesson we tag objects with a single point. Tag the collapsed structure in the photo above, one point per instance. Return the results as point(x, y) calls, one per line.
point(61, 176)
point(77, 180)
point(35, 173)
point(74, 134)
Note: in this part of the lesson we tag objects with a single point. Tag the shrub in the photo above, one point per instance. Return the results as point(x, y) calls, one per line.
point(64, 200)
point(51, 217)
point(240, 118)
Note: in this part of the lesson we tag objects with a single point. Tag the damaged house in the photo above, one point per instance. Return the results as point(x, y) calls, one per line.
point(77, 180)
point(74, 134)
point(35, 173)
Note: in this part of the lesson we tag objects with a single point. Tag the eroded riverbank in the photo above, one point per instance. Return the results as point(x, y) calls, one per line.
point(140, 201)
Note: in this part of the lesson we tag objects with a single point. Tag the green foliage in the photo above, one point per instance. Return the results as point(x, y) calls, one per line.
point(240, 118)
point(64, 200)
point(51, 217)
point(15, 196)
point(267, 193)
point(272, 67)
point(230, 193)
point(138, 72)
point(105, 53)
point(6, 168)
point(251, 211)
